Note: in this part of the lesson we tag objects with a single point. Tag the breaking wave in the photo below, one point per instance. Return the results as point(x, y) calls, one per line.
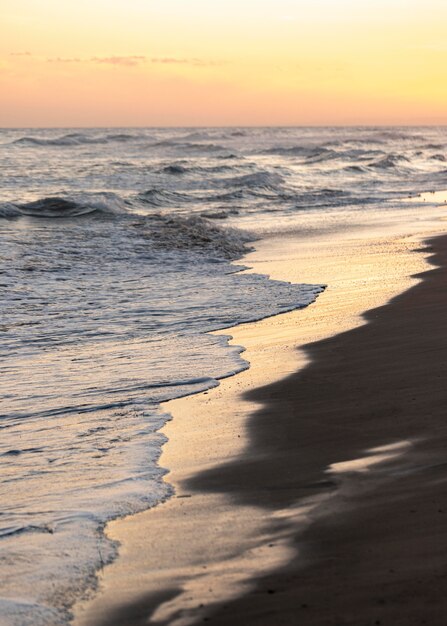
point(165, 232)
point(60, 207)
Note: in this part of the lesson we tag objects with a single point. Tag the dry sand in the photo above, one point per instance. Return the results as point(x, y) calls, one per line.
point(309, 488)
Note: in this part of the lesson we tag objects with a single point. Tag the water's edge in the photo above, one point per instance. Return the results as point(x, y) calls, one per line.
point(240, 266)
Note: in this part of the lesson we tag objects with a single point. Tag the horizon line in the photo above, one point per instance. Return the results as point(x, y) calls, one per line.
point(254, 126)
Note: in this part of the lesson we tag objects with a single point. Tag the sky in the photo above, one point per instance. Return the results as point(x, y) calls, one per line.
point(67, 63)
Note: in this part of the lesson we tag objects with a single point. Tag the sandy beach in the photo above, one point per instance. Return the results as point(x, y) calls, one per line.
point(316, 495)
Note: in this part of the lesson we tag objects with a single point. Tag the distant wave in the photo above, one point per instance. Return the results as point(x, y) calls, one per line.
point(164, 198)
point(355, 169)
point(433, 146)
point(303, 151)
point(159, 198)
point(437, 157)
point(194, 147)
point(309, 154)
point(321, 154)
point(393, 135)
point(391, 161)
point(176, 169)
point(203, 135)
point(256, 179)
point(77, 139)
point(238, 133)
point(199, 135)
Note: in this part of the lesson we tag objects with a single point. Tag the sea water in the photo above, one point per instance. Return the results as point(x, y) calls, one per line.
point(118, 257)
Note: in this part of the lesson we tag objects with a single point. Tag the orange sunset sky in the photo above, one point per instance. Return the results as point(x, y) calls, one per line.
point(231, 62)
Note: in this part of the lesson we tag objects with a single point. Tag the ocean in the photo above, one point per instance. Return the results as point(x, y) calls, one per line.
point(119, 255)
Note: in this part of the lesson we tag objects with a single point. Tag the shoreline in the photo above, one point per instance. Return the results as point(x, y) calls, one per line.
point(177, 587)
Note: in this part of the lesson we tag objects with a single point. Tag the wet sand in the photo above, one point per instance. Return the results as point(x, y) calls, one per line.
point(318, 496)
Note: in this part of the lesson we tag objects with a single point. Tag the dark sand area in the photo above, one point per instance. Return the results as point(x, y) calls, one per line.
point(373, 549)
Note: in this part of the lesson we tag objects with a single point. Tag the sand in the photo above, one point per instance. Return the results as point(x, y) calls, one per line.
point(310, 488)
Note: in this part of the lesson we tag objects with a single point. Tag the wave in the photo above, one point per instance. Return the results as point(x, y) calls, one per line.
point(105, 204)
point(393, 135)
point(19, 530)
point(313, 155)
point(288, 150)
point(219, 215)
point(77, 139)
point(197, 234)
point(207, 148)
point(268, 192)
point(433, 146)
point(168, 232)
point(310, 154)
point(166, 198)
point(163, 197)
point(356, 169)
point(262, 187)
point(206, 135)
point(391, 161)
point(238, 133)
point(437, 157)
point(54, 207)
point(320, 198)
point(176, 169)
point(257, 179)
point(199, 135)
point(320, 155)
